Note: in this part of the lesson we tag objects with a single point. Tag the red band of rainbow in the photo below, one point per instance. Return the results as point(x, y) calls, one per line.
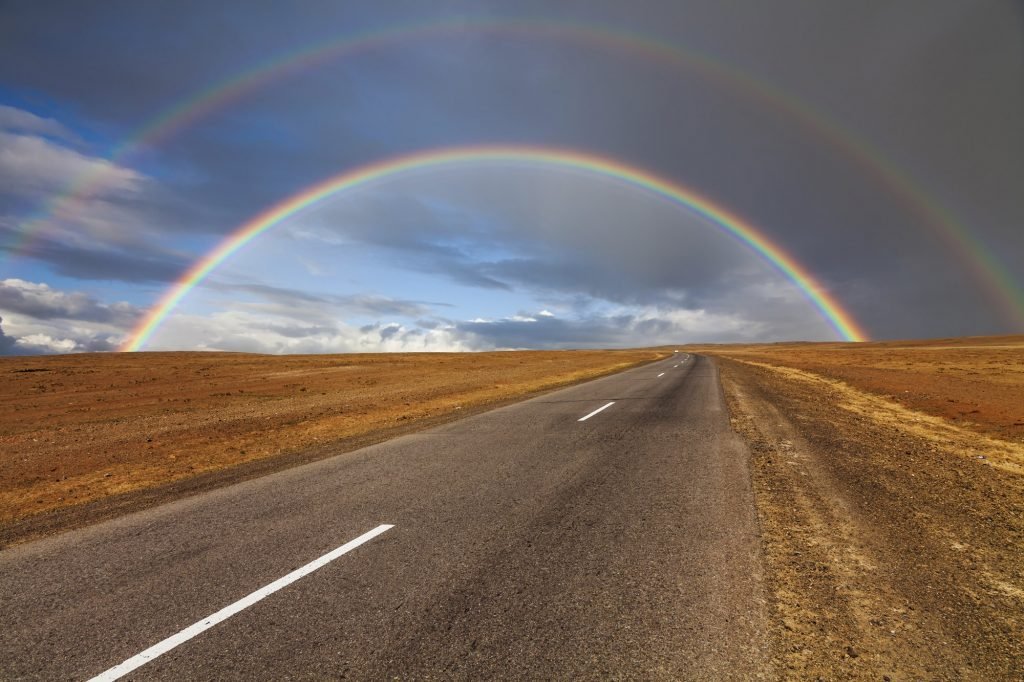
point(824, 302)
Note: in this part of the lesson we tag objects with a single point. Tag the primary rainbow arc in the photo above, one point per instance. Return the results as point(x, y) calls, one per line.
point(1004, 287)
point(827, 305)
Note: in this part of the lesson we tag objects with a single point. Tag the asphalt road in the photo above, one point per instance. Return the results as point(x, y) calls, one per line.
point(525, 544)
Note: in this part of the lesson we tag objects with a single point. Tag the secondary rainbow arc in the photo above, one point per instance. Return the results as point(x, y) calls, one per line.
point(985, 266)
point(825, 303)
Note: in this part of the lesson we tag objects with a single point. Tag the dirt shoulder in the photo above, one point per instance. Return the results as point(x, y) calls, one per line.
point(894, 538)
point(85, 437)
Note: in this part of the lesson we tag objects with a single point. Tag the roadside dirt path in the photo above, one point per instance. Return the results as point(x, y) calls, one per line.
point(894, 540)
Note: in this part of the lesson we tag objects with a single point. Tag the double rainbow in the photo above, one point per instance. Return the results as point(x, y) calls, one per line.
point(730, 223)
point(1004, 288)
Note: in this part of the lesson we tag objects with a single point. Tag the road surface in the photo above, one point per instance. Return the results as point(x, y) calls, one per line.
point(546, 539)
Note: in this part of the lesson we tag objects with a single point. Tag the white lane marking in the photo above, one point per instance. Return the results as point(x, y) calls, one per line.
point(191, 631)
point(605, 407)
point(661, 375)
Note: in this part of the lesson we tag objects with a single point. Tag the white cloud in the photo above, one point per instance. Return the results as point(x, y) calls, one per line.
point(239, 330)
point(44, 343)
point(618, 327)
point(86, 200)
point(19, 120)
point(31, 165)
point(296, 329)
point(24, 335)
point(40, 301)
point(37, 318)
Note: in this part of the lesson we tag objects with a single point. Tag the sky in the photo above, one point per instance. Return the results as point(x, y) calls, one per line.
point(879, 144)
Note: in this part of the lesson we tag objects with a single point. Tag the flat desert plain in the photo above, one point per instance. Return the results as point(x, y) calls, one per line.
point(87, 436)
point(973, 382)
point(889, 484)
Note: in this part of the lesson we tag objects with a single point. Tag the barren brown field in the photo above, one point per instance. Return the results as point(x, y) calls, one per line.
point(79, 429)
point(975, 382)
point(889, 484)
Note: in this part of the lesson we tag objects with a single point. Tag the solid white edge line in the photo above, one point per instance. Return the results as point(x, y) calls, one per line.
point(604, 407)
point(191, 631)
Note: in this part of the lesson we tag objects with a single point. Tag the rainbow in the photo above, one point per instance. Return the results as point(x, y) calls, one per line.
point(1002, 286)
point(741, 230)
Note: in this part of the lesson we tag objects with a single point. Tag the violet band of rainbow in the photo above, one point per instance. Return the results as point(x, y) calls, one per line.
point(825, 303)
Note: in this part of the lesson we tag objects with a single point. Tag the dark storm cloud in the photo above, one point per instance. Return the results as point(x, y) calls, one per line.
point(7, 344)
point(547, 332)
point(540, 231)
point(452, 263)
point(573, 236)
point(609, 331)
point(363, 304)
point(94, 343)
point(136, 266)
point(418, 237)
point(50, 320)
point(392, 330)
point(82, 342)
point(41, 302)
point(604, 281)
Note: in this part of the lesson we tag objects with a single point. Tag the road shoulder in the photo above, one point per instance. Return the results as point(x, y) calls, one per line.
point(888, 540)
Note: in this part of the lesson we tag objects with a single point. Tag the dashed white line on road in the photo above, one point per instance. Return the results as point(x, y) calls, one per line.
point(191, 631)
point(661, 375)
point(604, 407)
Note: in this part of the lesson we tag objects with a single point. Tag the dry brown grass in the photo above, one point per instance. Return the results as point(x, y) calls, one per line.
point(889, 489)
point(976, 382)
point(79, 428)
